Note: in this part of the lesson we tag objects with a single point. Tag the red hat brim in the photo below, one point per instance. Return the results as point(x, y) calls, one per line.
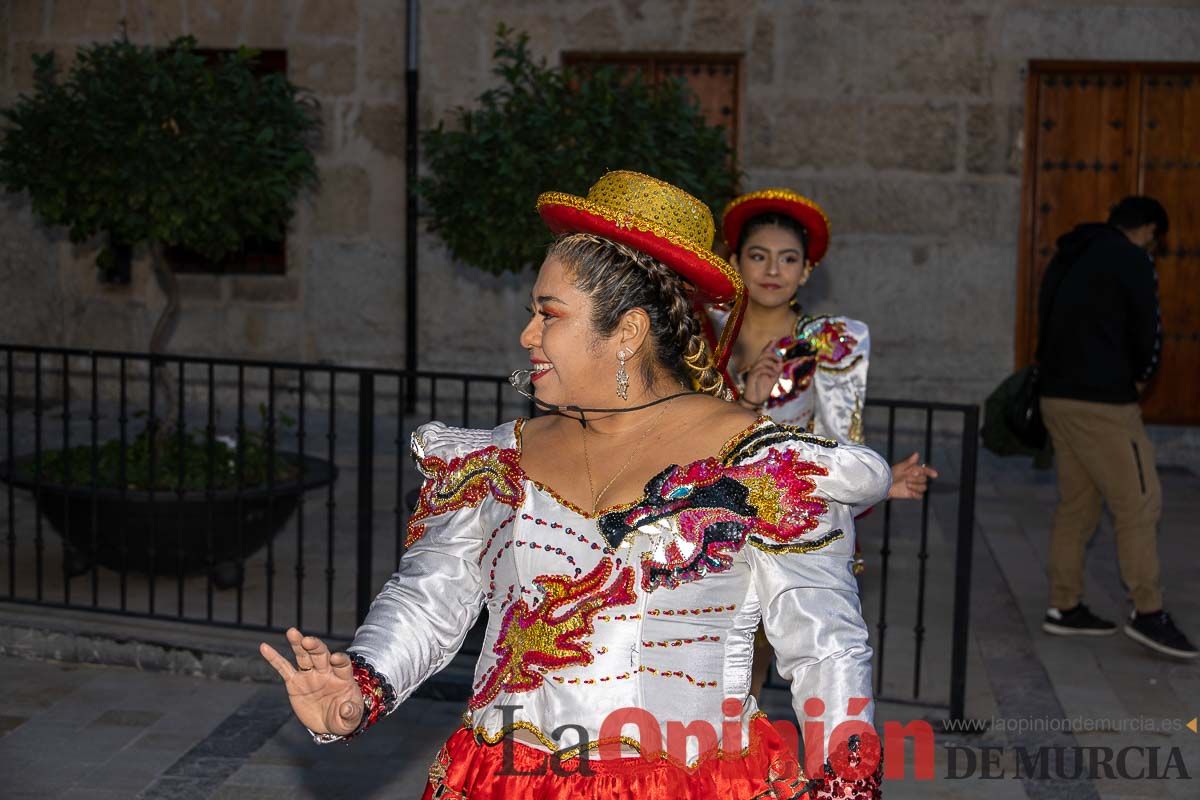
point(715, 280)
point(808, 214)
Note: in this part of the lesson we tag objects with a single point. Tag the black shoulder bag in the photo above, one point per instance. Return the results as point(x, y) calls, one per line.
point(1012, 418)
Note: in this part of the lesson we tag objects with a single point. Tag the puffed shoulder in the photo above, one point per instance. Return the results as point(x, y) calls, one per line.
point(814, 325)
point(437, 440)
point(464, 468)
point(849, 474)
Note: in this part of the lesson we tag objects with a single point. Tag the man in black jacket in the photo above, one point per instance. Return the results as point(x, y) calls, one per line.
point(1100, 336)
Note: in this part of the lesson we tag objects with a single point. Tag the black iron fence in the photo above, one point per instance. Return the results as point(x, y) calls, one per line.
point(265, 494)
point(277, 499)
point(917, 557)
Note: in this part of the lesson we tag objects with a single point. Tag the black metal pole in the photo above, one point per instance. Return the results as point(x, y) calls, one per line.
point(962, 566)
point(364, 589)
point(412, 134)
point(885, 553)
point(922, 560)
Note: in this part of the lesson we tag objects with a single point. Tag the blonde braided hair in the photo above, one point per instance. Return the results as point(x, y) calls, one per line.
point(703, 367)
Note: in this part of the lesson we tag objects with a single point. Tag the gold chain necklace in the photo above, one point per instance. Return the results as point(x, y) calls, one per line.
point(588, 464)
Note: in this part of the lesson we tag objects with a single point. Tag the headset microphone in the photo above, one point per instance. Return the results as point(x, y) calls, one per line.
point(522, 381)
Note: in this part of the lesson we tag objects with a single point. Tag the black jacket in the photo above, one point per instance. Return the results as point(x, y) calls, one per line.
point(1098, 317)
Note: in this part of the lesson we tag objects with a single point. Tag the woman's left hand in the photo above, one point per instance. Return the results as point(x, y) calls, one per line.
point(910, 480)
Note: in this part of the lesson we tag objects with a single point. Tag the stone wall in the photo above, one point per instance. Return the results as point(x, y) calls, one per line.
point(342, 297)
point(903, 119)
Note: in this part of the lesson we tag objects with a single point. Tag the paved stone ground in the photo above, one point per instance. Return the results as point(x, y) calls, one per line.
point(82, 731)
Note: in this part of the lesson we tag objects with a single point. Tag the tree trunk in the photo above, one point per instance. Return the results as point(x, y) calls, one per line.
point(164, 276)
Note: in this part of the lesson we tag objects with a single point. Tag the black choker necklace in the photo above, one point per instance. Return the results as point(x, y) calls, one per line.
point(521, 380)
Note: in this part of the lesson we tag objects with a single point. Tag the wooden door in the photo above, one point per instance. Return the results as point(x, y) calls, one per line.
point(1096, 133)
point(712, 78)
point(714, 81)
point(1170, 172)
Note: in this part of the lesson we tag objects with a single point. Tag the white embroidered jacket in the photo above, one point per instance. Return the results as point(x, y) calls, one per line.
point(651, 605)
point(824, 379)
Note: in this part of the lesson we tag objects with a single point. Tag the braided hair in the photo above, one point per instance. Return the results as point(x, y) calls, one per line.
point(619, 278)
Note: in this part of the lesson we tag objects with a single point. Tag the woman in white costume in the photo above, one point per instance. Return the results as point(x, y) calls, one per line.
point(802, 369)
point(625, 548)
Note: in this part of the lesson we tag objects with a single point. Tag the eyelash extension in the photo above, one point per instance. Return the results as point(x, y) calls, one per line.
point(545, 315)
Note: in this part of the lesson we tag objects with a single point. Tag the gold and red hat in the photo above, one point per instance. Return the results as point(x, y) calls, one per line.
point(779, 201)
point(666, 223)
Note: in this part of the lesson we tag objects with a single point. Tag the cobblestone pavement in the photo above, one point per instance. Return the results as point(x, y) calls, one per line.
point(86, 731)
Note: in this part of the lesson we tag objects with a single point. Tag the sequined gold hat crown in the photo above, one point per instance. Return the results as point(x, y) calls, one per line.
point(808, 214)
point(664, 222)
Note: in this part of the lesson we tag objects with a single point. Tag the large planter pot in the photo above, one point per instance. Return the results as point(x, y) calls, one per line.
point(169, 533)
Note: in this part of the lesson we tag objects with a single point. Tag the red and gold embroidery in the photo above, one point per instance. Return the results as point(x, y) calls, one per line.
point(696, 517)
point(662, 673)
point(553, 634)
point(683, 612)
point(674, 673)
point(438, 771)
point(567, 530)
point(558, 551)
point(590, 681)
point(487, 545)
point(819, 343)
point(781, 491)
point(830, 342)
point(785, 781)
point(680, 642)
point(378, 696)
point(465, 482)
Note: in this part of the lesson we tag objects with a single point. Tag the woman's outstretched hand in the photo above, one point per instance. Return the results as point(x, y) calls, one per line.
point(320, 686)
point(910, 480)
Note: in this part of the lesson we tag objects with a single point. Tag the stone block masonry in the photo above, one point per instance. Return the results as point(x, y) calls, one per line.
point(903, 120)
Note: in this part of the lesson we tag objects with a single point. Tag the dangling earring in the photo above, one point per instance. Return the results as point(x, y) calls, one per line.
point(622, 376)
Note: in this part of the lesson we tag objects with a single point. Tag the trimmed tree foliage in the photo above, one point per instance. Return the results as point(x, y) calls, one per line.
point(547, 128)
point(157, 147)
point(151, 145)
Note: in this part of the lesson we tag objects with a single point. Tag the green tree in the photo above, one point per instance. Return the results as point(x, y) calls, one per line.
point(547, 128)
point(158, 147)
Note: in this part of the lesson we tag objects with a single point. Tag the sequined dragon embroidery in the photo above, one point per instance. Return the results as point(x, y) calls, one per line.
point(781, 490)
point(696, 517)
point(553, 634)
point(787, 508)
point(829, 341)
point(466, 481)
point(823, 345)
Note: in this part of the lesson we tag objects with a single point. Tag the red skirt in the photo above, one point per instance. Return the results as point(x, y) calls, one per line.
point(466, 769)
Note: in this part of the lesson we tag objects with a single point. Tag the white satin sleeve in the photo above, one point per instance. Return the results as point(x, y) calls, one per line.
point(419, 620)
point(809, 600)
point(841, 387)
